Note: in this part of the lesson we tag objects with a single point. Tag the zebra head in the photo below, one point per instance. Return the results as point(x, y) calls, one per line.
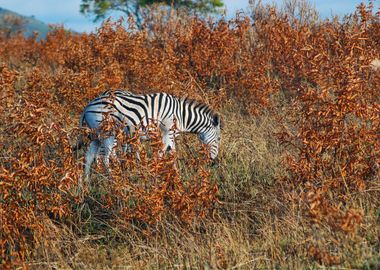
point(211, 135)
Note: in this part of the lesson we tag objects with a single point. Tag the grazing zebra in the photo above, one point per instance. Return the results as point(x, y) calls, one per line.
point(173, 115)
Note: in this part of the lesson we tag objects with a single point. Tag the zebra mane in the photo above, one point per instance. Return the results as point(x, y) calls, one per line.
point(208, 109)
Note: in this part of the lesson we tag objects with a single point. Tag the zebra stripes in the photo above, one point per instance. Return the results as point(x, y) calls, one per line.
point(131, 110)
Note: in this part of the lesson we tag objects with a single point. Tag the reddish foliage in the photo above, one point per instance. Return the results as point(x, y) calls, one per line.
point(323, 67)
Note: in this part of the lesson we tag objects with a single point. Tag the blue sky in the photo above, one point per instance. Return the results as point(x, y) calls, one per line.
point(67, 12)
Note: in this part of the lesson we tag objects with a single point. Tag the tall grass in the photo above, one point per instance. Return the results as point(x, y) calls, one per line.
point(297, 183)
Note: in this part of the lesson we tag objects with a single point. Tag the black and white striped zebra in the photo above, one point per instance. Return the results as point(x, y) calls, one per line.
point(174, 115)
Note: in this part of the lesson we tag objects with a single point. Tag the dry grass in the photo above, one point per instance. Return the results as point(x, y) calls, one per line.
point(256, 225)
point(298, 176)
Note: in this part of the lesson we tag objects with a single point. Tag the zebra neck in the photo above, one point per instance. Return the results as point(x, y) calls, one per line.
point(178, 114)
point(191, 116)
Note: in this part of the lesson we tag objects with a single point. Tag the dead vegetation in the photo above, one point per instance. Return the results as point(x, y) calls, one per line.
point(298, 181)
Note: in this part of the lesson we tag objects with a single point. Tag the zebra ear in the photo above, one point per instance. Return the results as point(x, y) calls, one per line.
point(216, 120)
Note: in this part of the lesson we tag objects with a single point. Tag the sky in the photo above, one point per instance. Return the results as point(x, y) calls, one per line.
point(66, 12)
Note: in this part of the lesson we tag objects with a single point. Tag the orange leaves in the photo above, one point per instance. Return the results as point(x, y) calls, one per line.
point(335, 107)
point(324, 257)
point(33, 160)
point(152, 188)
point(329, 70)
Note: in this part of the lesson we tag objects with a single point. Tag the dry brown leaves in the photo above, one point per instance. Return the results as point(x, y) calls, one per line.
point(326, 68)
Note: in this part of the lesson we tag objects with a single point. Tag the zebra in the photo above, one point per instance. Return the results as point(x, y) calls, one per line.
point(173, 115)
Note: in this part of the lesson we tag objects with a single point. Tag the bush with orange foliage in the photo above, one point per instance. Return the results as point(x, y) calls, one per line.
point(151, 188)
point(322, 69)
point(40, 174)
point(37, 169)
point(145, 184)
point(338, 118)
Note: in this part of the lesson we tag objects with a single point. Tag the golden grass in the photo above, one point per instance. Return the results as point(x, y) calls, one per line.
point(298, 175)
point(255, 227)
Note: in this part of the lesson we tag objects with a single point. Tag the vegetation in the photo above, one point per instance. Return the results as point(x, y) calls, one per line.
point(297, 184)
point(134, 8)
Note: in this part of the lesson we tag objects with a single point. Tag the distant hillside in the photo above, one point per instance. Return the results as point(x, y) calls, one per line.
point(13, 22)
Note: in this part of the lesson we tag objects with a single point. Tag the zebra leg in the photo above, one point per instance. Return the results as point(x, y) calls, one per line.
point(90, 157)
point(137, 154)
point(169, 144)
point(168, 135)
point(128, 148)
point(108, 145)
point(168, 141)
